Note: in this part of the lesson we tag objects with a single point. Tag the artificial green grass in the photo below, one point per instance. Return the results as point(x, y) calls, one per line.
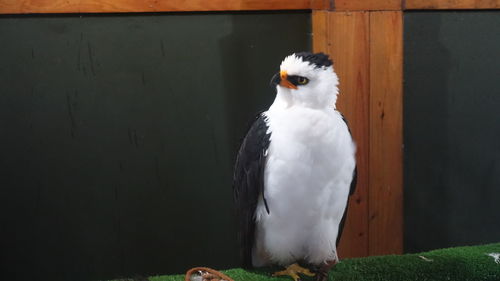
point(455, 264)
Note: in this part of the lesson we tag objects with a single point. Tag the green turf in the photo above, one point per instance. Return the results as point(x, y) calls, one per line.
point(455, 264)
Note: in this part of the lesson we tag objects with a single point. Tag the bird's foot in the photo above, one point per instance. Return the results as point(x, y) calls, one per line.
point(293, 271)
point(322, 273)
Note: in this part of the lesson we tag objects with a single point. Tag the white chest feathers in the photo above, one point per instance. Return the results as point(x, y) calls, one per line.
point(309, 169)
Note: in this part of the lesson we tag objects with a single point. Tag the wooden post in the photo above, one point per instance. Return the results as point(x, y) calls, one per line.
point(386, 133)
point(366, 47)
point(344, 35)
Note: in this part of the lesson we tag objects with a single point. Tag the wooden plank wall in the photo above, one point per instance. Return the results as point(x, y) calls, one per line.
point(366, 47)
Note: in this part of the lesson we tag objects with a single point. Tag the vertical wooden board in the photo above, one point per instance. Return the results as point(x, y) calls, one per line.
point(386, 174)
point(320, 31)
point(347, 43)
point(452, 4)
point(366, 5)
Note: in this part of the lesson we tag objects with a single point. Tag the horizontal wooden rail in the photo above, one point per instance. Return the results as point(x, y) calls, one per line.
point(133, 6)
point(451, 4)
point(395, 5)
point(367, 5)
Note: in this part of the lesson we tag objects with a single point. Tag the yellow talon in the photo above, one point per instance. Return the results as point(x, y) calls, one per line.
point(292, 271)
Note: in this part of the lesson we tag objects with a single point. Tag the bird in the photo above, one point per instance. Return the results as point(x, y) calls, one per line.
point(294, 172)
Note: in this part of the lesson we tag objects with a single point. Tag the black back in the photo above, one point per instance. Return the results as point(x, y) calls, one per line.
point(248, 184)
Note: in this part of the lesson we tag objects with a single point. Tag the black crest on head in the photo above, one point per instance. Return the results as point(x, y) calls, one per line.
point(318, 59)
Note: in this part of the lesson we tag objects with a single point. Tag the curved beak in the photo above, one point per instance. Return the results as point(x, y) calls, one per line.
point(282, 80)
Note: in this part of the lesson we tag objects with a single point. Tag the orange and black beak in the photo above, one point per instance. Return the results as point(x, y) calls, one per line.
point(281, 79)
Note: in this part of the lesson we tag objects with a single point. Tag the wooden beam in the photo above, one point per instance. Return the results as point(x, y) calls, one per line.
point(345, 37)
point(451, 4)
point(366, 5)
point(321, 4)
point(127, 6)
point(386, 126)
point(133, 6)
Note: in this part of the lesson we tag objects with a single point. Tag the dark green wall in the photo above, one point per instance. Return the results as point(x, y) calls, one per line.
point(118, 135)
point(451, 128)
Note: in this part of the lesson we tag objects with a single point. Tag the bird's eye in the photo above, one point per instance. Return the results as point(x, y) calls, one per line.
point(302, 80)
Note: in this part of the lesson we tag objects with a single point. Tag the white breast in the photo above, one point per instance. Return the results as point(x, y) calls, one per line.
point(309, 168)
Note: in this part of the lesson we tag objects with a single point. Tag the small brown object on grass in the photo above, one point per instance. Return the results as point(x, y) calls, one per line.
point(207, 274)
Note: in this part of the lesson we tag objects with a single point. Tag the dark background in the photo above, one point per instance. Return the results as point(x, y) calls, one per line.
point(451, 128)
point(118, 135)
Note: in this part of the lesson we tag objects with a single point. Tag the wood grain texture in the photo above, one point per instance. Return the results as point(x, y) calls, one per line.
point(349, 37)
point(123, 6)
point(320, 31)
point(321, 4)
point(452, 4)
point(345, 38)
point(366, 5)
point(131, 6)
point(386, 155)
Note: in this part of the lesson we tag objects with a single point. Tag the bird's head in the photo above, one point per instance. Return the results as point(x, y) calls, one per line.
point(306, 79)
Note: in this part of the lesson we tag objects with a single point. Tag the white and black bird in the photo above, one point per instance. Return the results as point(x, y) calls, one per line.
point(294, 172)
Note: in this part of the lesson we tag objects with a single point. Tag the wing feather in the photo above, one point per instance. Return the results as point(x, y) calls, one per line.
point(248, 183)
point(351, 190)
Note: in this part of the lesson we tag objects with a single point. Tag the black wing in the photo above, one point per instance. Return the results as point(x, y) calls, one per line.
point(248, 184)
point(351, 191)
